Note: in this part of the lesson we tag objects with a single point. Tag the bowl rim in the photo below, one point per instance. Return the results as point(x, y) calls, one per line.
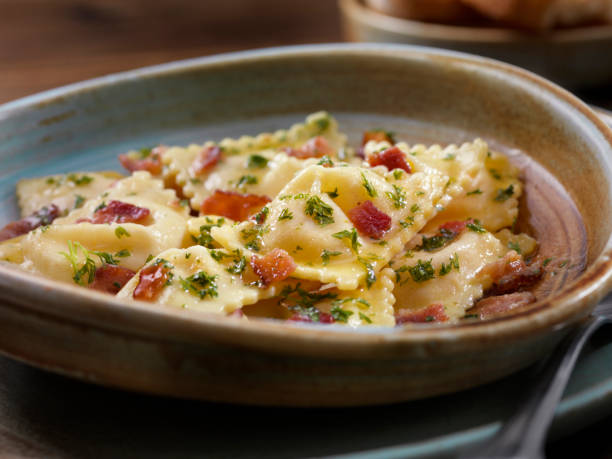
point(356, 10)
point(77, 305)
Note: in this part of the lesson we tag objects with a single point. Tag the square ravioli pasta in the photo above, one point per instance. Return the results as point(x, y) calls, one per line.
point(294, 225)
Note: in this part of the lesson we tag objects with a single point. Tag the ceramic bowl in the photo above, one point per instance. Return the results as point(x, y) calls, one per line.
point(422, 94)
point(570, 57)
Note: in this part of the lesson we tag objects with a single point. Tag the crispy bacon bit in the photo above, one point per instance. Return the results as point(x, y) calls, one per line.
point(207, 159)
point(455, 227)
point(511, 273)
point(111, 278)
point(501, 305)
point(377, 136)
point(391, 158)
point(369, 220)
point(432, 313)
point(314, 148)
point(152, 280)
point(274, 266)
point(41, 217)
point(119, 212)
point(232, 204)
point(151, 162)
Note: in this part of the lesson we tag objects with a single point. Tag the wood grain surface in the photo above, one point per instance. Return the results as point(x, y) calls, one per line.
point(48, 43)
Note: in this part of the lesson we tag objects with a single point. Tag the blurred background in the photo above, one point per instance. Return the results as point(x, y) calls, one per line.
point(48, 43)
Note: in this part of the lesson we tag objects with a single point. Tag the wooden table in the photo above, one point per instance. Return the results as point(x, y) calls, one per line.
point(46, 43)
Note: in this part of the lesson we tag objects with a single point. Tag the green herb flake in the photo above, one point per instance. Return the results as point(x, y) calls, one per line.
point(339, 314)
point(123, 253)
point(120, 232)
point(476, 226)
point(505, 194)
point(319, 211)
point(398, 197)
point(257, 162)
point(333, 194)
point(322, 123)
point(397, 174)
point(79, 181)
point(473, 192)
point(370, 273)
point(368, 186)
point(495, 174)
point(407, 223)
point(78, 201)
point(449, 157)
point(514, 246)
point(422, 271)
point(548, 260)
point(101, 206)
point(414, 208)
point(453, 262)
point(326, 161)
point(365, 318)
point(149, 258)
point(285, 214)
point(351, 235)
point(327, 254)
point(200, 284)
point(563, 263)
point(204, 238)
point(184, 202)
point(246, 180)
point(86, 273)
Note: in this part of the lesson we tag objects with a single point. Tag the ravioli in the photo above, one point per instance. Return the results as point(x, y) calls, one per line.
point(309, 220)
point(250, 164)
point(66, 191)
point(490, 183)
point(448, 276)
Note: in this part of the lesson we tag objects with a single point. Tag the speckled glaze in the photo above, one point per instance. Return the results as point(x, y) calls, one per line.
point(154, 349)
point(570, 57)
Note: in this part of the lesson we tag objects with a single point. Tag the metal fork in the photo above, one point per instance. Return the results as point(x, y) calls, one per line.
point(523, 435)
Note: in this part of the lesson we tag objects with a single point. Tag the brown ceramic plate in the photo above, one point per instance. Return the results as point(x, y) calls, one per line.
point(571, 57)
point(423, 95)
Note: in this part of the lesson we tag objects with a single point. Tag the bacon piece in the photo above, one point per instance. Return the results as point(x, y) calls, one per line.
point(206, 159)
point(369, 220)
point(432, 313)
point(151, 163)
point(511, 273)
point(501, 305)
point(314, 148)
point(153, 279)
point(43, 216)
point(232, 204)
point(391, 158)
point(274, 266)
point(377, 136)
point(111, 278)
point(118, 212)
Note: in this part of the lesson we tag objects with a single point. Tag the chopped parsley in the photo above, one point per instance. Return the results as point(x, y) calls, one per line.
point(503, 195)
point(339, 314)
point(514, 246)
point(369, 269)
point(101, 206)
point(563, 263)
point(332, 194)
point(326, 254)
point(548, 260)
point(79, 181)
point(414, 208)
point(453, 262)
point(86, 273)
point(422, 271)
point(184, 203)
point(200, 284)
point(204, 238)
point(246, 180)
point(398, 196)
point(365, 318)
point(257, 162)
point(449, 157)
point(397, 174)
point(252, 236)
point(476, 226)
point(120, 231)
point(144, 152)
point(407, 223)
point(368, 186)
point(398, 273)
point(495, 174)
point(351, 235)
point(326, 161)
point(429, 244)
point(78, 201)
point(261, 216)
point(322, 123)
point(285, 214)
point(473, 192)
point(319, 211)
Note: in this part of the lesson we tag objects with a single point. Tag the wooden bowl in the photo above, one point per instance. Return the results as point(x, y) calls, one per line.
point(422, 94)
point(571, 57)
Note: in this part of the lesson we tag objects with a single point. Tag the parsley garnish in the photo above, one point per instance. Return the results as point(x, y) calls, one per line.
point(205, 239)
point(261, 216)
point(369, 269)
point(453, 262)
point(397, 174)
point(514, 246)
point(319, 211)
point(365, 318)
point(503, 195)
point(101, 206)
point(326, 254)
point(449, 157)
point(326, 161)
point(332, 194)
point(368, 186)
point(87, 272)
point(476, 191)
point(422, 271)
point(476, 226)
point(285, 214)
point(351, 235)
point(79, 181)
point(548, 260)
point(495, 174)
point(398, 196)
point(429, 244)
point(322, 123)
point(415, 208)
point(78, 201)
point(246, 180)
point(339, 314)
point(200, 284)
point(257, 162)
point(120, 231)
